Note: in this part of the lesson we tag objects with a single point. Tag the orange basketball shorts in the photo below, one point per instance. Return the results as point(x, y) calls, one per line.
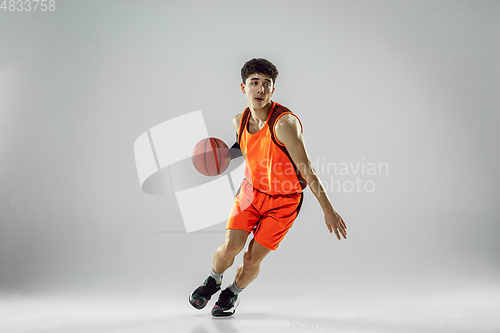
point(269, 217)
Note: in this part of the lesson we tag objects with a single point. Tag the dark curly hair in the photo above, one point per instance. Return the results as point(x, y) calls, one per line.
point(259, 66)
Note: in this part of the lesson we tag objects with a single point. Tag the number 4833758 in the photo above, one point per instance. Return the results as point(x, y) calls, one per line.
point(28, 5)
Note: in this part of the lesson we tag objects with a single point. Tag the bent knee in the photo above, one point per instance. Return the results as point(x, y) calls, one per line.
point(231, 249)
point(251, 261)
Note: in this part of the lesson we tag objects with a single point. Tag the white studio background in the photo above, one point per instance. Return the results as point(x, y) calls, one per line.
point(410, 85)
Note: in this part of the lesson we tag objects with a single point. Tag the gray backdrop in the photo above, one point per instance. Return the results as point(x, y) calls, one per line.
point(408, 85)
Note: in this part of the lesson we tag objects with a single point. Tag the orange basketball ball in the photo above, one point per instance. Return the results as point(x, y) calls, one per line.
point(211, 156)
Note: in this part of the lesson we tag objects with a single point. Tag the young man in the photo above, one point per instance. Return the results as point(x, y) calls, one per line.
point(269, 199)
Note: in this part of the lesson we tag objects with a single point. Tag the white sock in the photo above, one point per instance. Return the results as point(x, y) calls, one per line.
point(234, 288)
point(216, 276)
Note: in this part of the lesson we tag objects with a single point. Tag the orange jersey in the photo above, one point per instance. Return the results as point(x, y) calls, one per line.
point(269, 167)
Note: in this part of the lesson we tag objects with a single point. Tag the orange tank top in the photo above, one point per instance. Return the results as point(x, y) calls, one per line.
point(269, 167)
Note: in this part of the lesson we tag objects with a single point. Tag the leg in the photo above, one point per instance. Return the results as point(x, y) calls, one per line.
point(250, 268)
point(246, 273)
point(225, 253)
point(223, 259)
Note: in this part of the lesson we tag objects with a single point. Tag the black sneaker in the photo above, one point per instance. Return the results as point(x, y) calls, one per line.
point(226, 305)
point(200, 297)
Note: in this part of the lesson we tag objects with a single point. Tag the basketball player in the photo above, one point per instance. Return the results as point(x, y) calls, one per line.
point(270, 196)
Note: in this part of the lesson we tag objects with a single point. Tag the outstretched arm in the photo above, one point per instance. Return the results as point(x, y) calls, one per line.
point(288, 132)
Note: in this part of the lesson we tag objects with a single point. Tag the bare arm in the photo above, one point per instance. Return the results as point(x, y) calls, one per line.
point(236, 123)
point(235, 149)
point(288, 132)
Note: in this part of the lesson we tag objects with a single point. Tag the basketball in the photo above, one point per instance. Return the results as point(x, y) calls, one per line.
point(211, 156)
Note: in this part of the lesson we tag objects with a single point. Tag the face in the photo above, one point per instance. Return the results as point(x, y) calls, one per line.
point(259, 89)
